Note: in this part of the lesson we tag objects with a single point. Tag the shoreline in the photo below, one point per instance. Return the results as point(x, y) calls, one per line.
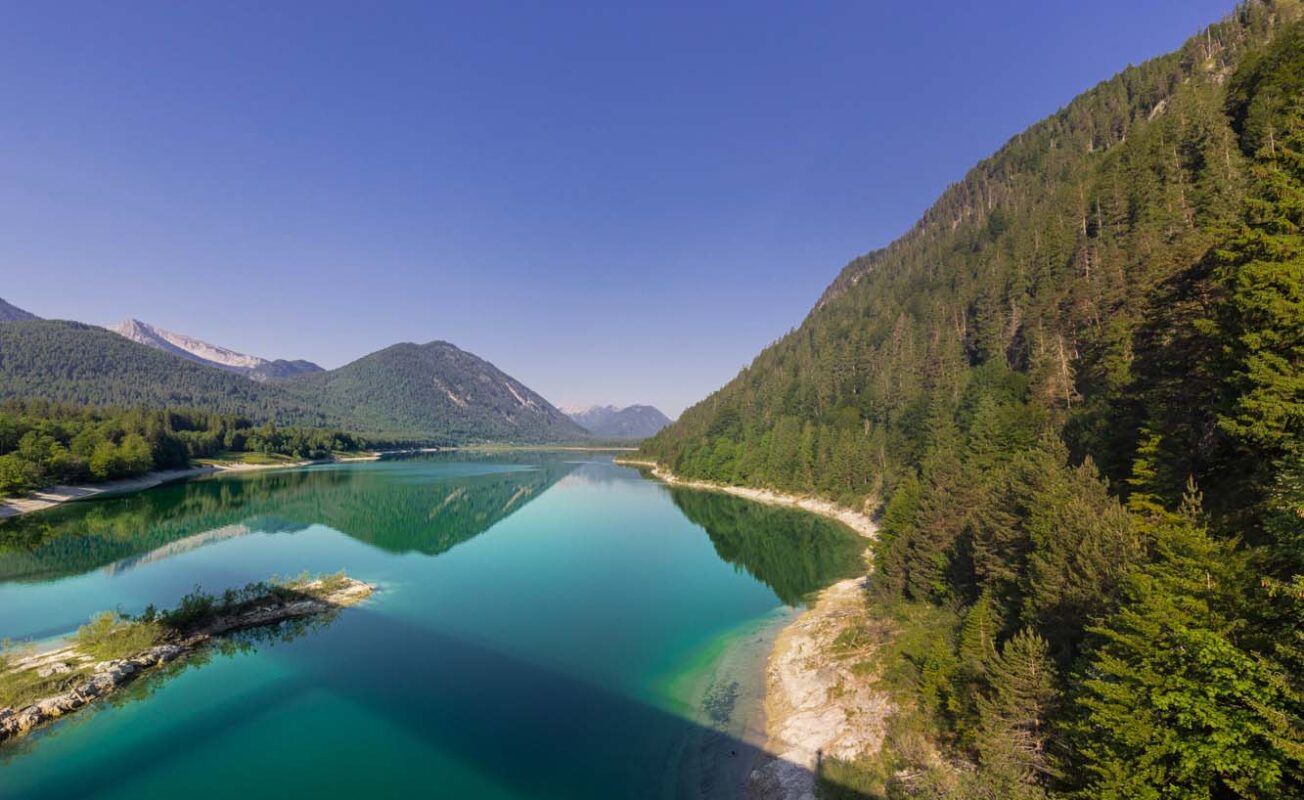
point(93, 680)
point(817, 706)
point(61, 493)
point(858, 521)
point(726, 701)
point(57, 495)
point(814, 704)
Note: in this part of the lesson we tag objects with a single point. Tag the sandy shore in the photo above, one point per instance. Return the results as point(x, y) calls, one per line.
point(815, 705)
point(858, 521)
point(57, 495)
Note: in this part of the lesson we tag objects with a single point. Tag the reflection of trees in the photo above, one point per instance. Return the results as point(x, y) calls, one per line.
point(389, 509)
point(793, 552)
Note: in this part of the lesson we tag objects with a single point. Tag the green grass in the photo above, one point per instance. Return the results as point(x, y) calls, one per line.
point(851, 780)
point(109, 635)
point(21, 687)
point(353, 455)
point(228, 457)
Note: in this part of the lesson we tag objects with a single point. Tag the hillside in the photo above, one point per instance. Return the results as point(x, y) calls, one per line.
point(212, 355)
point(409, 388)
point(69, 362)
point(12, 313)
point(631, 422)
point(1074, 390)
point(434, 393)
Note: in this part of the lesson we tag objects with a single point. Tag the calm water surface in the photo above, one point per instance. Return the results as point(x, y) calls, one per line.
point(540, 627)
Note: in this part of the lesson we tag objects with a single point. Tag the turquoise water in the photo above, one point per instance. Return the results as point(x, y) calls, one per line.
point(537, 621)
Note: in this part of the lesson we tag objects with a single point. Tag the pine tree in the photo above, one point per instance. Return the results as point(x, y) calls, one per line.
point(1262, 317)
point(1014, 710)
point(1082, 544)
point(1167, 705)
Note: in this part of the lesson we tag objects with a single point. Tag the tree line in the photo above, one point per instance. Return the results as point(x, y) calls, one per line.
point(1076, 390)
point(44, 443)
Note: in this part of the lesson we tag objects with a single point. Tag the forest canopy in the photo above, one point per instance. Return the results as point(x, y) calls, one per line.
point(1075, 393)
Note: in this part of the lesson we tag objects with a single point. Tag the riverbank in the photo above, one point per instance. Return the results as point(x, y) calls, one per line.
point(818, 700)
point(57, 495)
point(73, 679)
point(859, 521)
point(60, 494)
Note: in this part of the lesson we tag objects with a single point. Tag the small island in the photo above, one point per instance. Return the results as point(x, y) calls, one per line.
point(113, 650)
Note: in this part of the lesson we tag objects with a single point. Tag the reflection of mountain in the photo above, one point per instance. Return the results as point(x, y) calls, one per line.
point(427, 508)
point(793, 552)
point(184, 545)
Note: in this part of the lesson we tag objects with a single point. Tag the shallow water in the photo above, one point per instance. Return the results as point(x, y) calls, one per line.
point(547, 626)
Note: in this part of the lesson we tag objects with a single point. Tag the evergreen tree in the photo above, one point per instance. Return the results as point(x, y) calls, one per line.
point(1168, 706)
point(1014, 710)
point(1262, 319)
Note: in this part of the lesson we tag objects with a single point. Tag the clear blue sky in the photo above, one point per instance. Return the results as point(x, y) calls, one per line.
point(613, 203)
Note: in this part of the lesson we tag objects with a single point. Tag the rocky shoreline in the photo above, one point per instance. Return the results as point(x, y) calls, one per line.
point(105, 677)
point(859, 521)
point(816, 706)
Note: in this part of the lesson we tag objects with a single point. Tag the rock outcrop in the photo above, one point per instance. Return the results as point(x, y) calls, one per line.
point(90, 680)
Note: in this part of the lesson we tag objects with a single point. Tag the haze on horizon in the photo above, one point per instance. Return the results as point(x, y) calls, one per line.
point(613, 205)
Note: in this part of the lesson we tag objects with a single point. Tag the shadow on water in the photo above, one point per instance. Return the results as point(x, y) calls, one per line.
point(460, 698)
point(428, 511)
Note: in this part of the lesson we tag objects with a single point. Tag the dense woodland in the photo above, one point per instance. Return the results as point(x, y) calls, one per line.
point(43, 443)
point(70, 362)
point(433, 393)
point(1075, 389)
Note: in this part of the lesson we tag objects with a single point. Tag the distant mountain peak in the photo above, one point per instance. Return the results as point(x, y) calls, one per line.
point(12, 313)
point(212, 355)
point(630, 422)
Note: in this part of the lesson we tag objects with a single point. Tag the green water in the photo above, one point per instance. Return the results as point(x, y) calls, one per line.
point(539, 632)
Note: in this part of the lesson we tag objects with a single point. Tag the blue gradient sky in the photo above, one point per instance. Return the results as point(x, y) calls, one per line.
point(612, 203)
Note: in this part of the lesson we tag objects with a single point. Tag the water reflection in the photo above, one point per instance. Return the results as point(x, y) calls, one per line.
point(793, 552)
point(426, 507)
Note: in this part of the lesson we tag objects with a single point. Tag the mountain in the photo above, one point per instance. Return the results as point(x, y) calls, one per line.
point(407, 392)
point(1073, 391)
point(631, 422)
point(76, 363)
point(409, 388)
point(11, 313)
point(211, 355)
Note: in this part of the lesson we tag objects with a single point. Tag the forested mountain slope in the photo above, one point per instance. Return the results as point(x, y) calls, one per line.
point(1077, 388)
point(410, 388)
point(432, 393)
point(12, 313)
point(68, 362)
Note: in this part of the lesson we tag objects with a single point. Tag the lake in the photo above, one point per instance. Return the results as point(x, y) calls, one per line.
point(546, 625)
